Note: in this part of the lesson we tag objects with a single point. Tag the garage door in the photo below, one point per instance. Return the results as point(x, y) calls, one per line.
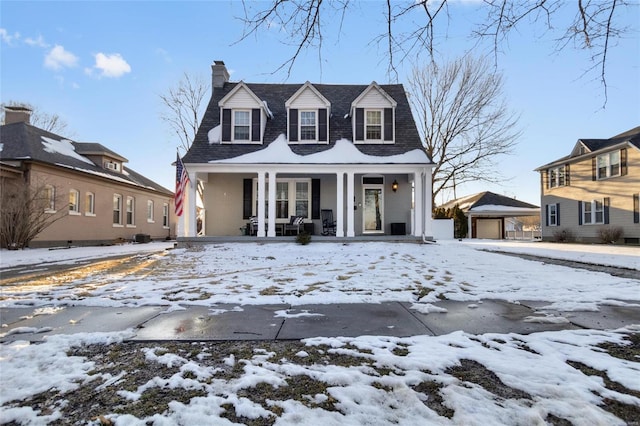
point(489, 228)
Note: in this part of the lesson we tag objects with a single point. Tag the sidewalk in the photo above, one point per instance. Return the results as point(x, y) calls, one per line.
point(284, 322)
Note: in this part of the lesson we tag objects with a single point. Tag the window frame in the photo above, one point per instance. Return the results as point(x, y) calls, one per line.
point(234, 126)
point(130, 212)
point(591, 210)
point(117, 207)
point(603, 162)
point(50, 196)
point(89, 204)
point(367, 125)
point(150, 212)
point(552, 214)
point(307, 127)
point(292, 200)
point(165, 215)
point(74, 202)
point(557, 177)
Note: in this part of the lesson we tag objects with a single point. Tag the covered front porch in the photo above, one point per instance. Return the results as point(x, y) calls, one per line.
point(366, 201)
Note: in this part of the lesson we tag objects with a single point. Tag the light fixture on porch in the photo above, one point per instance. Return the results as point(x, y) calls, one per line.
point(394, 185)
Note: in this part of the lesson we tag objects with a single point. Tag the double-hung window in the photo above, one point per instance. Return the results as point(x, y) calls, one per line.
point(608, 164)
point(293, 198)
point(131, 211)
point(165, 215)
point(150, 211)
point(592, 212)
point(557, 177)
point(282, 200)
point(308, 125)
point(241, 125)
point(74, 202)
point(117, 209)
point(49, 196)
point(373, 124)
point(90, 204)
point(552, 214)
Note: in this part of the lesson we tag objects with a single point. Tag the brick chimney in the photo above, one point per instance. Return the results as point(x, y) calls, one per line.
point(220, 74)
point(17, 114)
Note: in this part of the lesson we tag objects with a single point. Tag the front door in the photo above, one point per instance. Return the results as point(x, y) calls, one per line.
point(373, 212)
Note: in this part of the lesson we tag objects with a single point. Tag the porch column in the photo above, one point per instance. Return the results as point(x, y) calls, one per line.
point(340, 204)
point(261, 185)
point(192, 216)
point(271, 229)
point(350, 205)
point(428, 204)
point(469, 223)
point(418, 192)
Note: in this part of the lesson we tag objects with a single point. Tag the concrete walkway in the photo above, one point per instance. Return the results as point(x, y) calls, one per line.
point(284, 322)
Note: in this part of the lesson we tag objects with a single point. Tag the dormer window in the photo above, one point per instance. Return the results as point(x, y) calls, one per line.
point(112, 165)
point(373, 124)
point(307, 125)
point(241, 125)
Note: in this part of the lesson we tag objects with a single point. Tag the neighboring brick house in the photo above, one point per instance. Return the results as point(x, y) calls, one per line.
point(350, 149)
point(594, 189)
point(102, 200)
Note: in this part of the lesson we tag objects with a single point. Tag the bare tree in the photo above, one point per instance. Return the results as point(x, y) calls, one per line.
point(594, 25)
point(50, 122)
point(464, 120)
point(26, 211)
point(182, 107)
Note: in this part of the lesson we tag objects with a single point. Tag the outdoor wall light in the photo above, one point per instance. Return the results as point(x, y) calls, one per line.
point(394, 185)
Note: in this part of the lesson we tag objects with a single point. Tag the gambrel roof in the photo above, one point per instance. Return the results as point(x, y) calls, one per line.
point(24, 142)
point(275, 96)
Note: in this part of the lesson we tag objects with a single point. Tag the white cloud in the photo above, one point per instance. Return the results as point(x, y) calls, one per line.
point(8, 38)
point(38, 42)
point(112, 65)
point(58, 58)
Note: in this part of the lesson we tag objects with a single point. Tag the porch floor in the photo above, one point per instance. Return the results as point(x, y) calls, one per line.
point(182, 241)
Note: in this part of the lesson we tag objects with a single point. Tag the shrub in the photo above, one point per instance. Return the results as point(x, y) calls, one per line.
point(563, 236)
point(303, 238)
point(610, 234)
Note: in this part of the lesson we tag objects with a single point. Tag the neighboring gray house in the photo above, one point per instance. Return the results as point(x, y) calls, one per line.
point(594, 189)
point(277, 151)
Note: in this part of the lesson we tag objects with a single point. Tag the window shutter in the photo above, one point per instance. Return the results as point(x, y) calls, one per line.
point(255, 124)
point(388, 124)
point(594, 175)
point(293, 125)
point(636, 208)
point(322, 124)
point(226, 125)
point(546, 214)
point(359, 124)
point(558, 214)
point(579, 212)
point(606, 210)
point(315, 198)
point(567, 174)
point(247, 188)
point(623, 161)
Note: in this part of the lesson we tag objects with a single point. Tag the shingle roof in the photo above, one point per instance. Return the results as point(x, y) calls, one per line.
point(22, 141)
point(275, 96)
point(487, 199)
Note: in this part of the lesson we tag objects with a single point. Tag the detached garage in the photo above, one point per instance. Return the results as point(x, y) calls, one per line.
point(487, 213)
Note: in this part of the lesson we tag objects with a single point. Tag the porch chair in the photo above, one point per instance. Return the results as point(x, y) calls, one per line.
point(328, 224)
point(253, 225)
point(296, 223)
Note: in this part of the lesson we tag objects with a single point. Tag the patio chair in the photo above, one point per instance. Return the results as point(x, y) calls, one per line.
point(253, 225)
point(328, 224)
point(296, 224)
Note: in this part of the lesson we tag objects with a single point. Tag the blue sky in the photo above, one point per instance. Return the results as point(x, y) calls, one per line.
point(101, 66)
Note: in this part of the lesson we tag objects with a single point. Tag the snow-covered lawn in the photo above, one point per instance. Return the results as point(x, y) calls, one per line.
point(585, 377)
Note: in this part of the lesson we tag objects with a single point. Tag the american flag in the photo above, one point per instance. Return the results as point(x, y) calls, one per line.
point(181, 184)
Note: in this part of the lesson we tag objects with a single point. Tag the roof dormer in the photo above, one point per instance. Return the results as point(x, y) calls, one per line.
point(373, 116)
point(308, 113)
point(101, 156)
point(243, 116)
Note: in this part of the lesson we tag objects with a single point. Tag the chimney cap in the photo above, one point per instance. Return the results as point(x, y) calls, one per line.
point(18, 108)
point(218, 62)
